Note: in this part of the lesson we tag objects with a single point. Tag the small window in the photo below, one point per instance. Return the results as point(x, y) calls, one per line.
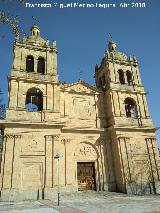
point(34, 100)
point(41, 65)
point(121, 76)
point(30, 64)
point(130, 108)
point(129, 78)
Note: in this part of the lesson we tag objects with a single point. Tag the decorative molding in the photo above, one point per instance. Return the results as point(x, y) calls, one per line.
point(56, 137)
point(65, 140)
point(151, 138)
point(12, 136)
point(123, 138)
point(49, 136)
point(85, 150)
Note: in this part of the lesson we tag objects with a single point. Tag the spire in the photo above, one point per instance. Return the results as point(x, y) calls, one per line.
point(111, 46)
point(35, 30)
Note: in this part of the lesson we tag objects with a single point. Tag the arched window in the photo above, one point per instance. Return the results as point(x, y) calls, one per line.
point(34, 100)
point(30, 64)
point(129, 77)
point(41, 65)
point(121, 76)
point(130, 108)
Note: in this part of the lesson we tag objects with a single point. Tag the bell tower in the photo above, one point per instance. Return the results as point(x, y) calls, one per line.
point(129, 125)
point(119, 77)
point(33, 82)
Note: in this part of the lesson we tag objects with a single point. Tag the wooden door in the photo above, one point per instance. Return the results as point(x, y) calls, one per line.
point(86, 176)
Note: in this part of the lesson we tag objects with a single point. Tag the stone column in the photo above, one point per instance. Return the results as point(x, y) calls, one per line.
point(102, 165)
point(22, 97)
point(97, 104)
point(8, 161)
point(49, 160)
point(125, 78)
point(113, 72)
point(138, 75)
point(49, 97)
point(23, 61)
point(17, 58)
point(65, 142)
point(125, 163)
point(13, 93)
point(56, 98)
point(44, 101)
point(16, 177)
point(18, 94)
point(35, 64)
point(146, 106)
point(2, 162)
point(115, 103)
point(153, 161)
point(141, 106)
point(109, 161)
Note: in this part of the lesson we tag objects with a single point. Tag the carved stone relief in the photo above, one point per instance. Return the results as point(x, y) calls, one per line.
point(85, 150)
point(32, 144)
point(82, 108)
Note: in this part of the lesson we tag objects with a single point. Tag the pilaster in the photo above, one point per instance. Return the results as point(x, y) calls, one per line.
point(49, 160)
point(8, 161)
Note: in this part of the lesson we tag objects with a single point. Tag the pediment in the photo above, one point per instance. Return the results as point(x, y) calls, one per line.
point(80, 87)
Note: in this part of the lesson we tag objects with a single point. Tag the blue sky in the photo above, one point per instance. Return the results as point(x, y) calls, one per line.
point(82, 37)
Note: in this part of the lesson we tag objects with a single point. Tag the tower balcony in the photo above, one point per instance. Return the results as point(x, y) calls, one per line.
point(34, 76)
point(38, 116)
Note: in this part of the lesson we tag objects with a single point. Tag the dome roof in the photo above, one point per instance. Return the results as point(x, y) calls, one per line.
point(35, 27)
point(35, 38)
point(116, 55)
point(113, 53)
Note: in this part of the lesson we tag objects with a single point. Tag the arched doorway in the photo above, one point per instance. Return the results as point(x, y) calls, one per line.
point(86, 176)
point(86, 162)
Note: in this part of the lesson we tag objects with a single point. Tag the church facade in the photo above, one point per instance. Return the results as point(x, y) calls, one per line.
point(72, 137)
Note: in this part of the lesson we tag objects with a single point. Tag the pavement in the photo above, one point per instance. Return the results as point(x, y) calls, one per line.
point(43, 206)
point(87, 202)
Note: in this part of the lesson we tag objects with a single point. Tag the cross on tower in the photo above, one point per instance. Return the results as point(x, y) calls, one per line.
point(35, 19)
point(110, 36)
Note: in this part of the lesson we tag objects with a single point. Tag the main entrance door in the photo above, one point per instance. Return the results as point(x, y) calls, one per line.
point(86, 176)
